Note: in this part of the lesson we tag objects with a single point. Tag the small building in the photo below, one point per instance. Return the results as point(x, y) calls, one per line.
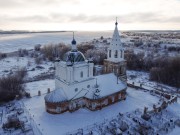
point(76, 87)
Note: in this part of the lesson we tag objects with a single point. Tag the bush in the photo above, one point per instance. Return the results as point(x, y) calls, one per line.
point(38, 60)
point(84, 47)
point(134, 61)
point(98, 56)
point(11, 86)
point(138, 43)
point(21, 73)
point(3, 55)
point(53, 51)
point(37, 47)
point(167, 71)
point(22, 52)
point(28, 95)
point(173, 48)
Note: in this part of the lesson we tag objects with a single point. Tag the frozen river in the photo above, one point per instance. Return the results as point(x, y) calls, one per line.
point(13, 42)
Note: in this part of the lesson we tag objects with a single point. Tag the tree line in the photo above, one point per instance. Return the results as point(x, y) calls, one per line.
point(162, 69)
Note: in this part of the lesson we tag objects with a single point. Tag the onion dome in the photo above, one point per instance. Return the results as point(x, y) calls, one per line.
point(74, 57)
point(73, 42)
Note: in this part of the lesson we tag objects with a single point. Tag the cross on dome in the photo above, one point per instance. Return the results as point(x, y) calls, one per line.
point(74, 48)
point(73, 41)
point(116, 22)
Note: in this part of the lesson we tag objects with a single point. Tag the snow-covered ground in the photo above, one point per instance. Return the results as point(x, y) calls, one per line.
point(140, 77)
point(34, 87)
point(45, 123)
point(11, 64)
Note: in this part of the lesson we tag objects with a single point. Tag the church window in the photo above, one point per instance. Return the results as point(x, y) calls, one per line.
point(112, 98)
point(81, 74)
point(93, 105)
point(76, 89)
point(109, 53)
point(116, 54)
point(88, 86)
point(105, 102)
point(58, 109)
point(119, 96)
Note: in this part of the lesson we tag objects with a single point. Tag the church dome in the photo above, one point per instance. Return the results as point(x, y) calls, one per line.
point(74, 56)
point(55, 96)
point(73, 42)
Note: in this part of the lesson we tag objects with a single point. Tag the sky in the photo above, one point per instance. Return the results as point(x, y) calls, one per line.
point(89, 15)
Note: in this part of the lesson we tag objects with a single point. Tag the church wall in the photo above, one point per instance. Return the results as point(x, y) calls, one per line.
point(91, 66)
point(61, 71)
point(118, 68)
point(91, 104)
point(75, 88)
point(82, 87)
point(81, 73)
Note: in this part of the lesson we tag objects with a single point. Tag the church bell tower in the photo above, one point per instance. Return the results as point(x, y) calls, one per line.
point(115, 61)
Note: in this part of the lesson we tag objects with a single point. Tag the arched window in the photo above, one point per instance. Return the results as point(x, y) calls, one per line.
point(81, 74)
point(109, 53)
point(116, 54)
point(121, 53)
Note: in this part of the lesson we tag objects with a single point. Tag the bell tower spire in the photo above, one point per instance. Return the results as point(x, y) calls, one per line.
point(116, 51)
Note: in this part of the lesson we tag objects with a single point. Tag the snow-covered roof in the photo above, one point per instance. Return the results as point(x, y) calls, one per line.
point(56, 96)
point(109, 84)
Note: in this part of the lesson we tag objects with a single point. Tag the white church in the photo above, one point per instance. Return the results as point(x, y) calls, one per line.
point(76, 87)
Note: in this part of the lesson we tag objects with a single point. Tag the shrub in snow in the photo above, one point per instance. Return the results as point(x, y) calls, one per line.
point(101, 37)
point(12, 85)
point(39, 93)
point(53, 51)
point(98, 56)
point(3, 55)
point(37, 47)
point(22, 52)
point(28, 95)
point(38, 60)
point(84, 47)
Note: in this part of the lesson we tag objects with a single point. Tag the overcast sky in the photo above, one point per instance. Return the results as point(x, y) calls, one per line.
point(89, 14)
